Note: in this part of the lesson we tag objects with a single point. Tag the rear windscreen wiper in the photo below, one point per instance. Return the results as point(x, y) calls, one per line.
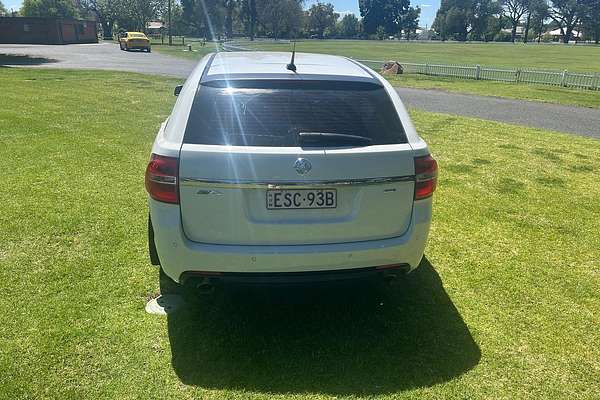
point(334, 139)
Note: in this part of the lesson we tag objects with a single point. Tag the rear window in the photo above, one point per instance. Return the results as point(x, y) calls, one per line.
point(137, 35)
point(273, 113)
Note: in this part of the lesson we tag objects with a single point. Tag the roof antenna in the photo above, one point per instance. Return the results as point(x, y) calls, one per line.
point(291, 66)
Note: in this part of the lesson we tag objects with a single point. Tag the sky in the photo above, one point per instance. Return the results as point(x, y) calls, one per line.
point(428, 7)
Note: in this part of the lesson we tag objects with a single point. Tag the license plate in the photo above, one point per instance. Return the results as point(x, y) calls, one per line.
point(301, 199)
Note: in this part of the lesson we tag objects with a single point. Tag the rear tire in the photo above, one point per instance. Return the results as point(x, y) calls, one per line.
point(149, 50)
point(154, 260)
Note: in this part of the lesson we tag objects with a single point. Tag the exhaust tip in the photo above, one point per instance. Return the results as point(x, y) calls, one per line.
point(396, 272)
point(205, 287)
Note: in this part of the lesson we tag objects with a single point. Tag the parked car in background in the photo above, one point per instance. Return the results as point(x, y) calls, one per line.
point(269, 171)
point(134, 41)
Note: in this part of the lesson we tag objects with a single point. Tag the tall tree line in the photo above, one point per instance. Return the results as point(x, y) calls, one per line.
point(226, 18)
point(456, 19)
point(485, 19)
point(128, 14)
point(286, 18)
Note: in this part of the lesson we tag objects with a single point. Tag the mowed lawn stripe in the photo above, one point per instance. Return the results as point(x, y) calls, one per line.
point(506, 304)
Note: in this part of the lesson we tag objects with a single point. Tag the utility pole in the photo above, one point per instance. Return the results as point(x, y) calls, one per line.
point(169, 22)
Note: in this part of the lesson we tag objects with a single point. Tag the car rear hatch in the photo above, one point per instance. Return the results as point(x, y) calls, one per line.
point(291, 163)
point(138, 41)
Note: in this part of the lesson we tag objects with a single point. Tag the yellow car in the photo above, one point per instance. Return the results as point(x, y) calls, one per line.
point(134, 40)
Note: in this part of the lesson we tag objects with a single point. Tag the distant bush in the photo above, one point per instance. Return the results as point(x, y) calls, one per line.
point(502, 37)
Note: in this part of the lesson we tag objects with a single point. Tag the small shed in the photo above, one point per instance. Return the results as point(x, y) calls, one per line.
point(43, 30)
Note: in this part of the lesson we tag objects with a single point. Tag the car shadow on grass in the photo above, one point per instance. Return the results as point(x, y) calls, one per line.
point(11, 60)
point(337, 340)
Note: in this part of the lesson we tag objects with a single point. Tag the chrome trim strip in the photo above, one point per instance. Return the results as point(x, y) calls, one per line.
point(426, 176)
point(249, 184)
point(166, 180)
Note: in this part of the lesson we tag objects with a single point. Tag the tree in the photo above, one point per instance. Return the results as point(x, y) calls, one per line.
point(249, 15)
point(106, 12)
point(3, 10)
point(514, 11)
point(451, 20)
point(331, 32)
point(411, 21)
point(568, 14)
point(280, 17)
point(495, 25)
point(178, 24)
point(230, 9)
point(349, 26)
point(135, 14)
point(320, 17)
point(386, 13)
point(204, 17)
point(591, 22)
point(371, 14)
point(461, 18)
point(483, 19)
point(49, 8)
point(537, 13)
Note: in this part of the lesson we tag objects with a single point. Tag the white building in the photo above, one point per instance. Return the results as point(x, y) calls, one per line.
point(557, 35)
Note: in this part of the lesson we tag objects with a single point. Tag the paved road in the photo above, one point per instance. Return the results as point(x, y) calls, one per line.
point(577, 120)
point(99, 56)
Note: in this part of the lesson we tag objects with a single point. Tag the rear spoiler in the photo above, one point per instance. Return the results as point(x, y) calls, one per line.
point(300, 81)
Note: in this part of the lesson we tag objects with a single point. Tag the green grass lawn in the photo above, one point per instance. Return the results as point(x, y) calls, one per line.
point(178, 50)
point(543, 93)
point(506, 305)
point(550, 56)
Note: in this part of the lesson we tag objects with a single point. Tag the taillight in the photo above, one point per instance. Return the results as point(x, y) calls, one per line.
point(425, 176)
point(161, 179)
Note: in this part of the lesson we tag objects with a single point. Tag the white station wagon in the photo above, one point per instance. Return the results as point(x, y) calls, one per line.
point(273, 172)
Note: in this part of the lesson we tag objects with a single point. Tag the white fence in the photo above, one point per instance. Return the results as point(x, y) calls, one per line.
point(526, 75)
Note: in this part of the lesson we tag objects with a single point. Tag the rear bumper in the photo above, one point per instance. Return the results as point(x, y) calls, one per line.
point(295, 278)
point(137, 45)
point(181, 257)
